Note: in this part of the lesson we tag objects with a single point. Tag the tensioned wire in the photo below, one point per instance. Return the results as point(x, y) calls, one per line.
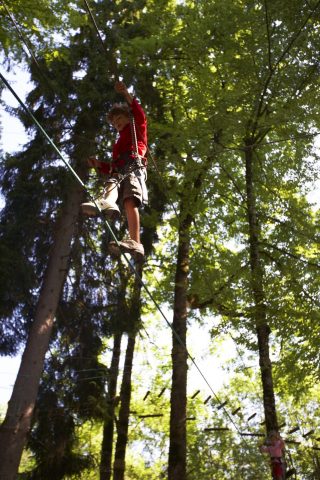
point(98, 208)
point(70, 168)
point(134, 270)
point(74, 173)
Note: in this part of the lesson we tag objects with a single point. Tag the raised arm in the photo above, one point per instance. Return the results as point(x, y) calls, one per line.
point(120, 87)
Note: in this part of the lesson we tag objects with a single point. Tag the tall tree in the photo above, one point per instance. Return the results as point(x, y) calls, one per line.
point(108, 426)
point(178, 414)
point(124, 412)
point(17, 422)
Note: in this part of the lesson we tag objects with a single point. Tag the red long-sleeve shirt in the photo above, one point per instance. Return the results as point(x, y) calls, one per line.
point(124, 142)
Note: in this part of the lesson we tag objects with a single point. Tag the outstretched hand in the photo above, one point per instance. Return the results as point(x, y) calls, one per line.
point(120, 87)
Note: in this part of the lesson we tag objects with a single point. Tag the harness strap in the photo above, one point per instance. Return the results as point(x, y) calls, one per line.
point(124, 172)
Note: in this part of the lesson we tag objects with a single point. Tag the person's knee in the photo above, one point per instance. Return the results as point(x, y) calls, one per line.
point(130, 202)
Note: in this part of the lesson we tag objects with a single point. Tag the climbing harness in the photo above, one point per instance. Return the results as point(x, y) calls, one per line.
point(133, 163)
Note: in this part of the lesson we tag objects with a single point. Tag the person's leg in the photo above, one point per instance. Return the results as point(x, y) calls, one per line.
point(106, 203)
point(130, 193)
point(133, 218)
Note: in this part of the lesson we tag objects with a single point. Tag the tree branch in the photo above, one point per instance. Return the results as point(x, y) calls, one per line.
point(291, 255)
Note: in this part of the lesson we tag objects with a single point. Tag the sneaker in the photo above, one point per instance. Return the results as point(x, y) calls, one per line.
point(128, 246)
point(90, 209)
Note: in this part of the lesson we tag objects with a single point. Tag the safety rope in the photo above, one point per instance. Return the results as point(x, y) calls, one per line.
point(132, 267)
point(134, 139)
point(113, 63)
point(133, 132)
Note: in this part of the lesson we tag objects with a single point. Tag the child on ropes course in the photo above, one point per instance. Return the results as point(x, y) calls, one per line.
point(274, 446)
point(126, 174)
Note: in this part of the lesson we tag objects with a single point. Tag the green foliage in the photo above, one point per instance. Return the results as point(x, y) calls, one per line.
point(42, 23)
point(216, 77)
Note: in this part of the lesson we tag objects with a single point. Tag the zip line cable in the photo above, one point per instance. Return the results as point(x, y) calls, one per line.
point(44, 133)
point(147, 290)
point(95, 25)
point(91, 197)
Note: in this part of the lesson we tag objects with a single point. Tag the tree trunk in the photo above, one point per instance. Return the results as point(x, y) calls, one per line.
point(177, 464)
point(14, 429)
point(260, 318)
point(124, 412)
point(178, 413)
point(125, 393)
point(108, 428)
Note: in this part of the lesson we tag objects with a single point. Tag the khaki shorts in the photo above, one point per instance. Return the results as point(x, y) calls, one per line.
point(133, 185)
